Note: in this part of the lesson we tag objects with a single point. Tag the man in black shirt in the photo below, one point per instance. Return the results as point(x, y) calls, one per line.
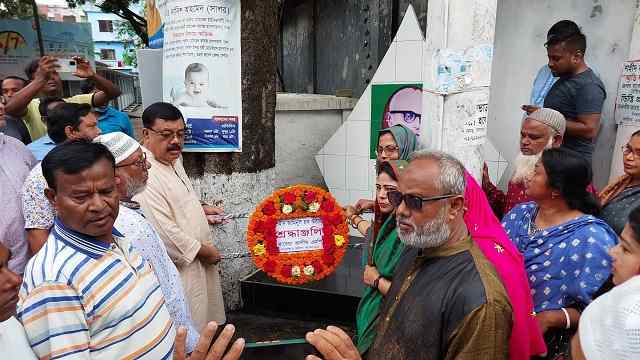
point(578, 94)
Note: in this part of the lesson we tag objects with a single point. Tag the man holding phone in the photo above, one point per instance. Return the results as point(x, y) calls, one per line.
point(45, 81)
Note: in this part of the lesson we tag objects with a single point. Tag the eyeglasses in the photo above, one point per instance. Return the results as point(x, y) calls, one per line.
point(628, 150)
point(413, 202)
point(389, 149)
point(141, 163)
point(408, 116)
point(168, 135)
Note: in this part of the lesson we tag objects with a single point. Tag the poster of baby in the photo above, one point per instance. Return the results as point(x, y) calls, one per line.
point(202, 73)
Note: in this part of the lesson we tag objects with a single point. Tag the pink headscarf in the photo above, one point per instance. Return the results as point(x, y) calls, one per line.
point(487, 232)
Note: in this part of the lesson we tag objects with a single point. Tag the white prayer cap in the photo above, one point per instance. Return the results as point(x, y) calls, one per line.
point(120, 144)
point(610, 326)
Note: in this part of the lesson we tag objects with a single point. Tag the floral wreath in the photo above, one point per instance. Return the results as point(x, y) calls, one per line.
point(294, 202)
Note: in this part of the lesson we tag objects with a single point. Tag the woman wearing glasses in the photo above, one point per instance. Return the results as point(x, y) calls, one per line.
point(383, 257)
point(563, 244)
point(621, 196)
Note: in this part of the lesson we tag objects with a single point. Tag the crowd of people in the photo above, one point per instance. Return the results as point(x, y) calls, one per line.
point(106, 249)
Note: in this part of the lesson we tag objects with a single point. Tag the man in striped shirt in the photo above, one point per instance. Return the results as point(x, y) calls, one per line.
point(88, 293)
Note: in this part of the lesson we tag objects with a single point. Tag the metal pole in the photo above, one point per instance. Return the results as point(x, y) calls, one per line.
point(36, 19)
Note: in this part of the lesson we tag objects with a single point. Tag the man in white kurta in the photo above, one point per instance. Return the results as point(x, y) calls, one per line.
point(173, 207)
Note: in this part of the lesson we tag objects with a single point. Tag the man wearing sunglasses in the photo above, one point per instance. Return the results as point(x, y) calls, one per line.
point(446, 300)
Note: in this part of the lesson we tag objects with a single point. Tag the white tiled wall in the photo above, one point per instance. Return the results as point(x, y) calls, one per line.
point(344, 159)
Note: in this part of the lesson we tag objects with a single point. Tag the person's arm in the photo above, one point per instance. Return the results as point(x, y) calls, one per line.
point(45, 317)
point(360, 224)
point(106, 89)
point(584, 126)
point(333, 344)
point(371, 274)
point(589, 100)
point(36, 239)
point(182, 248)
point(18, 103)
point(208, 254)
point(497, 198)
point(556, 319)
point(205, 349)
point(37, 211)
point(482, 334)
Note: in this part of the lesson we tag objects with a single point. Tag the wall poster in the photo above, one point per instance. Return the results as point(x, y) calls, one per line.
point(201, 62)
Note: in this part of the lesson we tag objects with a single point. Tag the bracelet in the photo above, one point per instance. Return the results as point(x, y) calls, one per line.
point(356, 224)
point(376, 282)
point(568, 319)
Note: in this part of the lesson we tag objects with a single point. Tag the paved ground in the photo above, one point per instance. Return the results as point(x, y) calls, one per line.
point(265, 328)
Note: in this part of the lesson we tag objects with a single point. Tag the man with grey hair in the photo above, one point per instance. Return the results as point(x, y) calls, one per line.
point(446, 300)
point(540, 130)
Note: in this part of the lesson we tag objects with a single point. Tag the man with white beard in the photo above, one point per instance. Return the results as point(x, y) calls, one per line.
point(132, 173)
point(446, 300)
point(540, 130)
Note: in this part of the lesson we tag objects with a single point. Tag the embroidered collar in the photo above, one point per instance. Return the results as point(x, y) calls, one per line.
point(130, 204)
point(85, 244)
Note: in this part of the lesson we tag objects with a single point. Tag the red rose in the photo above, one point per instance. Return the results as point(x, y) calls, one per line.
point(327, 259)
point(327, 230)
point(289, 198)
point(336, 220)
point(309, 197)
point(258, 227)
point(327, 237)
point(329, 248)
point(270, 242)
point(286, 271)
point(269, 209)
point(317, 266)
point(270, 266)
point(327, 206)
point(270, 225)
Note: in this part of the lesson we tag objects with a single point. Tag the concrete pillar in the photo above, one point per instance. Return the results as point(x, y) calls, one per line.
point(238, 181)
point(458, 30)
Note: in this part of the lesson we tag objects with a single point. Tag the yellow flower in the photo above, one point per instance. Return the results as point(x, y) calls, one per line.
point(339, 240)
point(259, 250)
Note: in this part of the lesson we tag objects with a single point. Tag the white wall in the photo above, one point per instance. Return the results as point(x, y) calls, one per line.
point(521, 28)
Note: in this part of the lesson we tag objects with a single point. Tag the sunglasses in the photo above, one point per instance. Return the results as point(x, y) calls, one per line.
point(413, 202)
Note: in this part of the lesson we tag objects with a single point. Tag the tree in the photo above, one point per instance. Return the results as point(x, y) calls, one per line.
point(126, 34)
point(122, 9)
point(19, 9)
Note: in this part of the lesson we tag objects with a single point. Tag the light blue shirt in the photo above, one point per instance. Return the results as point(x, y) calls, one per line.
point(41, 147)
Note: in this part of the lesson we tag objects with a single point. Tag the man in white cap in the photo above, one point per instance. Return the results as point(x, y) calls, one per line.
point(132, 172)
point(540, 130)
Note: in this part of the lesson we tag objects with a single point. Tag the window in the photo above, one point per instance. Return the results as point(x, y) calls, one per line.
point(107, 54)
point(105, 25)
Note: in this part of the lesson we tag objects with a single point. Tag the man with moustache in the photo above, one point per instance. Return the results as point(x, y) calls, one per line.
point(132, 173)
point(540, 130)
point(174, 209)
point(88, 293)
point(446, 300)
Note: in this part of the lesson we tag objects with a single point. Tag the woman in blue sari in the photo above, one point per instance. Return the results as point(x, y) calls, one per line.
point(564, 245)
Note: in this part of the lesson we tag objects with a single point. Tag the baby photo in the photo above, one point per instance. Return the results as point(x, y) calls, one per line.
point(196, 88)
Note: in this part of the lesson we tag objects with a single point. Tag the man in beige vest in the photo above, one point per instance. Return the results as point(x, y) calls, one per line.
point(173, 207)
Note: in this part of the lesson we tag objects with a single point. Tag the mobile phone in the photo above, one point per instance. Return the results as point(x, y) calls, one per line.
point(294, 349)
point(66, 65)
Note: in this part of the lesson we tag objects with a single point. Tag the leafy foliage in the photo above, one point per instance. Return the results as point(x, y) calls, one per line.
point(15, 9)
point(121, 8)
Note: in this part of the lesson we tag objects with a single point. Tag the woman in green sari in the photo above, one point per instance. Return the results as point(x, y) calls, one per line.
point(384, 253)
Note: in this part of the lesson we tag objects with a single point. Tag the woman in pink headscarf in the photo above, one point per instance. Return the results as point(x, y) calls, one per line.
point(485, 229)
